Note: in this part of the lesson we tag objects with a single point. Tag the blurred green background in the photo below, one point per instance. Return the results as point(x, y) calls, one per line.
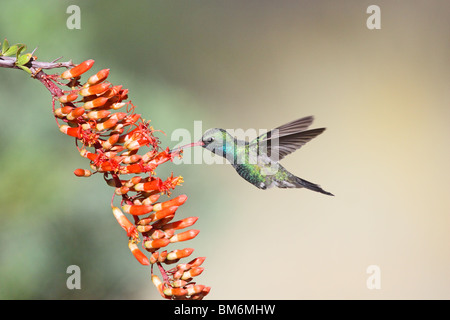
point(383, 95)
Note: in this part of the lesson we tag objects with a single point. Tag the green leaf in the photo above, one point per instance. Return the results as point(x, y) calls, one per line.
point(11, 51)
point(25, 69)
point(23, 59)
point(5, 46)
point(22, 47)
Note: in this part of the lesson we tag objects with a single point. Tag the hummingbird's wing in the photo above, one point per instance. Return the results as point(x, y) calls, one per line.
point(287, 138)
point(294, 126)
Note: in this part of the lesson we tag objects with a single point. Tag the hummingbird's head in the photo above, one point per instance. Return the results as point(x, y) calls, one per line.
point(215, 140)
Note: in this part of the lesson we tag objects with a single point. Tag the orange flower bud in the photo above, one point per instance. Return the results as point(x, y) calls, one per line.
point(124, 222)
point(179, 254)
point(106, 125)
point(181, 224)
point(194, 289)
point(117, 148)
point(162, 256)
point(162, 213)
point(138, 254)
point(151, 199)
point(154, 257)
point(132, 159)
point(154, 185)
point(111, 92)
point(98, 77)
point(158, 234)
point(95, 103)
point(96, 115)
point(145, 222)
point(169, 233)
point(155, 244)
point(143, 229)
point(63, 112)
point(178, 274)
point(118, 116)
point(160, 158)
point(184, 236)
point(73, 132)
point(191, 273)
point(68, 97)
point(117, 105)
point(78, 70)
point(175, 291)
point(75, 113)
point(135, 144)
point(179, 283)
point(178, 201)
point(108, 144)
point(196, 262)
point(82, 173)
point(91, 156)
point(122, 190)
point(130, 183)
point(97, 89)
point(107, 166)
point(201, 295)
point(132, 118)
point(136, 210)
point(159, 285)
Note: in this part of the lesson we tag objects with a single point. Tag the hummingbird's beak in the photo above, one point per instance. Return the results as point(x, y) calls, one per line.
point(193, 144)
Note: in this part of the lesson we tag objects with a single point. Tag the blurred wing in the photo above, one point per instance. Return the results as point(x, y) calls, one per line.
point(287, 138)
point(285, 145)
point(294, 126)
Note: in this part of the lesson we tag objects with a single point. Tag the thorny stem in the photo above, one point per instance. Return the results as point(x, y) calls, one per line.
point(9, 62)
point(51, 86)
point(163, 272)
point(37, 73)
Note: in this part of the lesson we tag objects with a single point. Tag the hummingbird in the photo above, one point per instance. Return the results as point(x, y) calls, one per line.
point(257, 161)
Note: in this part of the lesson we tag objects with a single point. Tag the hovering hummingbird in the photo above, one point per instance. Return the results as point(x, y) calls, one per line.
point(257, 161)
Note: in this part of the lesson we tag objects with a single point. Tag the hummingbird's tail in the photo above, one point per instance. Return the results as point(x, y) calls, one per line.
point(311, 186)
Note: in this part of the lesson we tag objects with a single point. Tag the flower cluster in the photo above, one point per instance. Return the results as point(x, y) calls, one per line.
point(111, 139)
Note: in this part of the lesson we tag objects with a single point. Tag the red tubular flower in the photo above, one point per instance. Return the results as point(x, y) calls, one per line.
point(68, 98)
point(94, 90)
point(138, 254)
point(184, 236)
point(111, 141)
point(82, 173)
point(98, 77)
point(178, 254)
point(137, 210)
point(78, 70)
point(124, 222)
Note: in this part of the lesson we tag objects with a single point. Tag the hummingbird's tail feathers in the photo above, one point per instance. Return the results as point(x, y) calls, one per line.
point(311, 186)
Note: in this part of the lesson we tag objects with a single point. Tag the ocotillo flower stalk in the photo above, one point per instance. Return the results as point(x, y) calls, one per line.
point(111, 141)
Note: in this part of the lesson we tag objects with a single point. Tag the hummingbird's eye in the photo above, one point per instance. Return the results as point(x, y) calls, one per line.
point(210, 139)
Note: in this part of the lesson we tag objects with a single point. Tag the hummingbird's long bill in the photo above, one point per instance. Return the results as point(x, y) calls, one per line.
point(193, 144)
